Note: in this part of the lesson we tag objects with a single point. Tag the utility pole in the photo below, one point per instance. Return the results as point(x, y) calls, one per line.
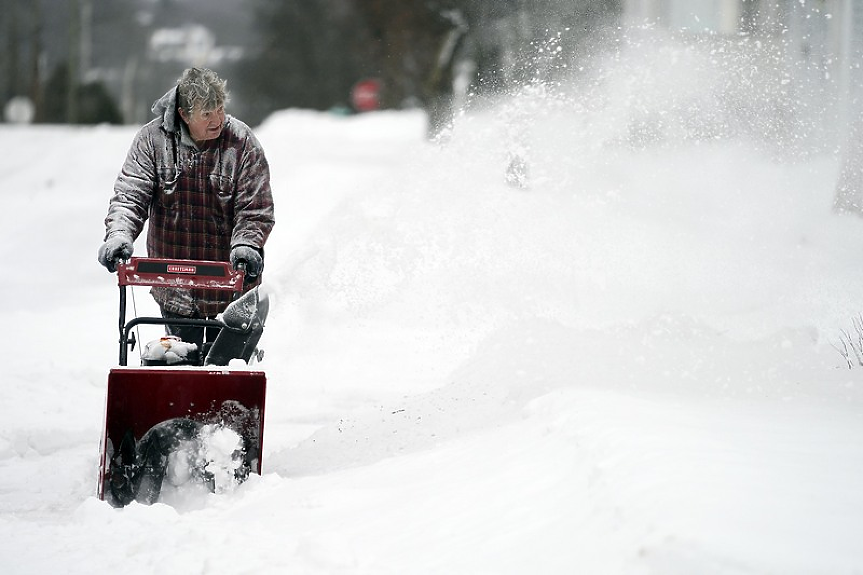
point(86, 38)
point(35, 57)
point(74, 61)
point(12, 55)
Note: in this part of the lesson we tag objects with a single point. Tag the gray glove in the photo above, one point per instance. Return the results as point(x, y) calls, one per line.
point(251, 257)
point(118, 247)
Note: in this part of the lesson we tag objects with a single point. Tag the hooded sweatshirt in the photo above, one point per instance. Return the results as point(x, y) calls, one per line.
point(200, 201)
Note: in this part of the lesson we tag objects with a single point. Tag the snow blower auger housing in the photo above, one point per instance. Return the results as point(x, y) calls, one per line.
point(186, 417)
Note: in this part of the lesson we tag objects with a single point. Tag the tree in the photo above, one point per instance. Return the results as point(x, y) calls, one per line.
point(311, 52)
point(93, 104)
point(308, 55)
point(23, 22)
point(415, 44)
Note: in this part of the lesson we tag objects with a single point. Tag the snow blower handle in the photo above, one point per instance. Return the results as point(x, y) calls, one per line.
point(241, 267)
point(184, 274)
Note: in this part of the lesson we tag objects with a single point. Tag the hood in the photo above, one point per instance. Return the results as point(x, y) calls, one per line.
point(166, 108)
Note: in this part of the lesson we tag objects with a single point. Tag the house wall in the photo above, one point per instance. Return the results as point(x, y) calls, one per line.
point(696, 15)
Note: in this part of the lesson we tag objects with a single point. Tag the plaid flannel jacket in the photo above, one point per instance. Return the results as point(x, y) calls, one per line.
point(200, 203)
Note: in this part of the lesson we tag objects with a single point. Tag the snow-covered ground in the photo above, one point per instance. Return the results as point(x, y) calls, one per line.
point(625, 368)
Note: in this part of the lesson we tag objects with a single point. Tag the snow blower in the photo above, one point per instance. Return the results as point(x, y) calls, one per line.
point(186, 415)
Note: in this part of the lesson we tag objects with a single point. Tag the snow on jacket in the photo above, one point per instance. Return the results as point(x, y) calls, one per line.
point(200, 203)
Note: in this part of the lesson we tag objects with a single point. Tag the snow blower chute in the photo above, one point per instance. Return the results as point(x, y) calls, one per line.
point(184, 415)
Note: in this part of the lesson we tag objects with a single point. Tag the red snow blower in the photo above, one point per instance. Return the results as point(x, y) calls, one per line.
point(184, 415)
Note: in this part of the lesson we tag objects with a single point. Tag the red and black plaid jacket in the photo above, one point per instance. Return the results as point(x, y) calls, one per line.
point(200, 203)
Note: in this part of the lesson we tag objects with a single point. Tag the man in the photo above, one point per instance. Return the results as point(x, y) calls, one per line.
point(201, 179)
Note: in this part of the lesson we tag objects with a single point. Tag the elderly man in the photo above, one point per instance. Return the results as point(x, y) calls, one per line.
point(201, 179)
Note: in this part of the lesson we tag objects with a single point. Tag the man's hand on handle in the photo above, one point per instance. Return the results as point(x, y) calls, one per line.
point(251, 257)
point(118, 247)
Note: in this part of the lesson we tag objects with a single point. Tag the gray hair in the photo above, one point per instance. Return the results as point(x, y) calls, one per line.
point(200, 88)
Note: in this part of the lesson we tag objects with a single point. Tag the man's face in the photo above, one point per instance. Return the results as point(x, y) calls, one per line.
point(204, 124)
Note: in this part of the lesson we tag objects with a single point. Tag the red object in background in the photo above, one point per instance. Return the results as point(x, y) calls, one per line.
point(366, 95)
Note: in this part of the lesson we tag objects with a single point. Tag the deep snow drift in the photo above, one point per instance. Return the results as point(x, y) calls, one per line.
point(625, 368)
